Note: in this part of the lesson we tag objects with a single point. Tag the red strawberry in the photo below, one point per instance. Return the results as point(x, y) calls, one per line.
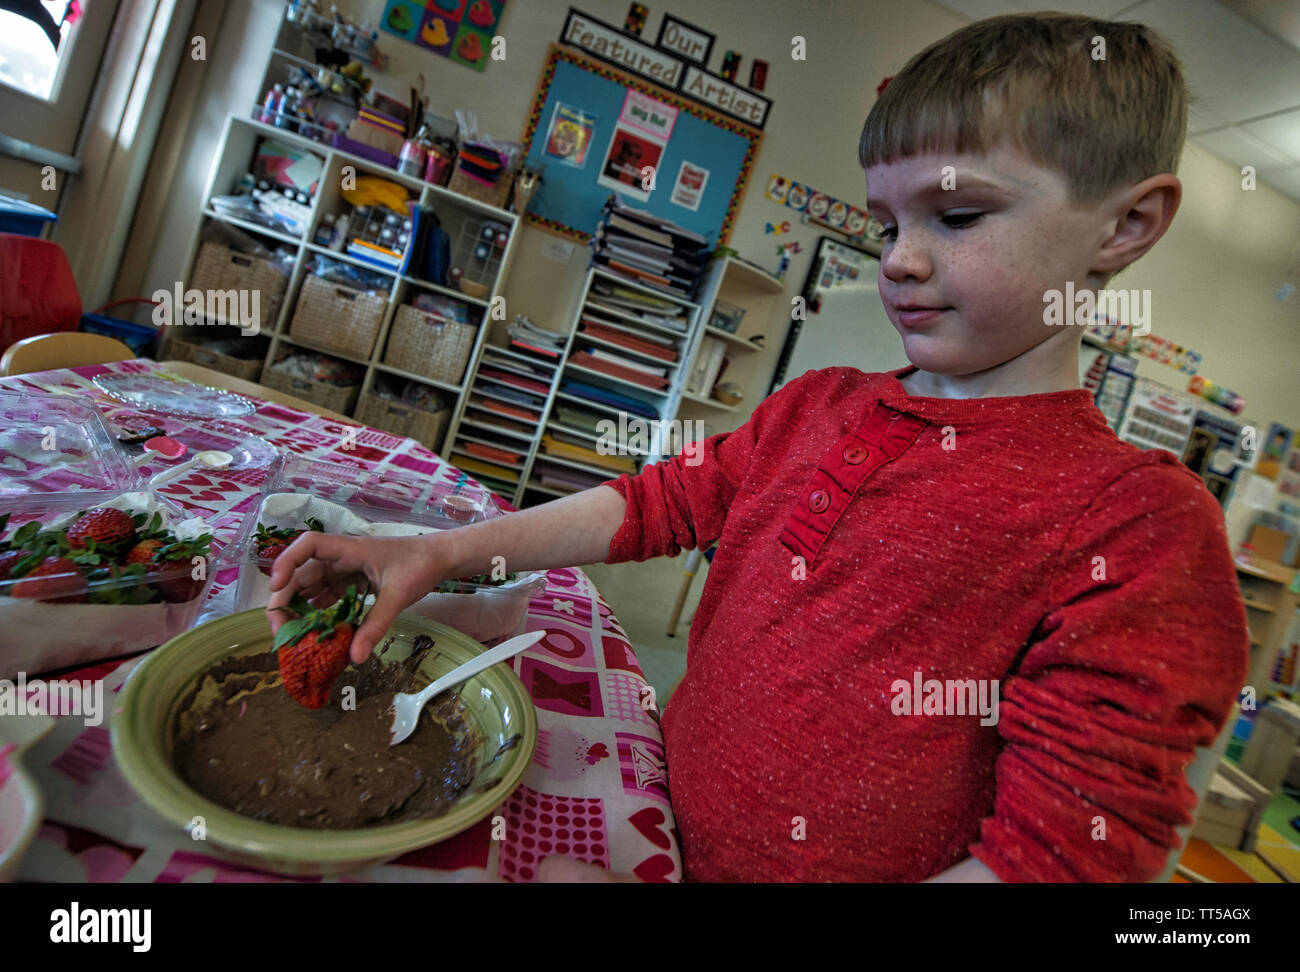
point(271, 542)
point(268, 553)
point(181, 586)
point(177, 589)
point(143, 552)
point(106, 526)
point(53, 579)
point(175, 558)
point(313, 648)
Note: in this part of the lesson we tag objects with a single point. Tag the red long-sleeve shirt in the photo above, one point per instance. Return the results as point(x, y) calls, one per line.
point(1012, 539)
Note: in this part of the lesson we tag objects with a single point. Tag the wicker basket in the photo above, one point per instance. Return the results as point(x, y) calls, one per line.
point(428, 345)
point(336, 398)
point(494, 195)
point(221, 268)
point(177, 348)
point(337, 318)
point(427, 428)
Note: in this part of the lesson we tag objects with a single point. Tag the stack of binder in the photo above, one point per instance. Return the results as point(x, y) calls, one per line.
point(654, 252)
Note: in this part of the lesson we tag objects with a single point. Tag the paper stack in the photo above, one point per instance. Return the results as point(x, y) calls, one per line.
point(654, 252)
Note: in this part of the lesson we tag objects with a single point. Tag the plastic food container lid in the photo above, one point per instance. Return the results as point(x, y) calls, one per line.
point(57, 451)
point(376, 496)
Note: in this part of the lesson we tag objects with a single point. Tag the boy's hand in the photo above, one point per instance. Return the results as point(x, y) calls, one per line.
point(320, 566)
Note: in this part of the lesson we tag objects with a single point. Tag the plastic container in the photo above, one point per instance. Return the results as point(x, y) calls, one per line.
point(356, 502)
point(57, 458)
point(726, 317)
point(23, 218)
point(128, 327)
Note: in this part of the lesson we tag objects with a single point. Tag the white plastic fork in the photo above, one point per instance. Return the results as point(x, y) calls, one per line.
point(407, 705)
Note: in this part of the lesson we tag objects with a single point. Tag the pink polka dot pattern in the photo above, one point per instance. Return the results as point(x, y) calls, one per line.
point(625, 698)
point(538, 824)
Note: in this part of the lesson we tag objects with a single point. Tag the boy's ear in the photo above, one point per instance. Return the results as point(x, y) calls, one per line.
point(1142, 213)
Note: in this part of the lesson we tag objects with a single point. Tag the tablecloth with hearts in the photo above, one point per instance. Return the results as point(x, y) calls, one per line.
point(597, 787)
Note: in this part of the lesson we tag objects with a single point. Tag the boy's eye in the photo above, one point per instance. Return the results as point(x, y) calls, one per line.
point(952, 220)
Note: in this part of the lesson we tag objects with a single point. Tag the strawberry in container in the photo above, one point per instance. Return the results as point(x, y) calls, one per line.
point(273, 541)
point(93, 583)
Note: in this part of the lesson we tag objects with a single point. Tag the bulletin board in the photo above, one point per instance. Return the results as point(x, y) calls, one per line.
point(591, 95)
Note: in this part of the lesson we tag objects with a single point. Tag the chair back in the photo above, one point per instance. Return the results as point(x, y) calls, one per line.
point(38, 294)
point(69, 349)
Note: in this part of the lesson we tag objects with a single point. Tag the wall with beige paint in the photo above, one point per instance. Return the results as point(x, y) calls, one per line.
point(1212, 278)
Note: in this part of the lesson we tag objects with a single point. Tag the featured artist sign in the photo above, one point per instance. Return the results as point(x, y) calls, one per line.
point(726, 97)
point(608, 43)
point(623, 50)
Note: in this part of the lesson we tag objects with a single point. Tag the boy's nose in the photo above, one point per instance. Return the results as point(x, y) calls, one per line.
point(905, 259)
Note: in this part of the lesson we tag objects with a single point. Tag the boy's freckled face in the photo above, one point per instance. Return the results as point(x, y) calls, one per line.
point(983, 253)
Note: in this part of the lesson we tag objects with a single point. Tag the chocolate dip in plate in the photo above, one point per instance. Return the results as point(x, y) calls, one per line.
point(206, 733)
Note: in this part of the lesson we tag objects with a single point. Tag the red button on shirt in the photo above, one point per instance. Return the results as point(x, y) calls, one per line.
point(818, 501)
point(854, 454)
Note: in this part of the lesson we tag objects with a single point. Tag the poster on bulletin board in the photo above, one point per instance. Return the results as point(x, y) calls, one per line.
point(662, 152)
point(569, 138)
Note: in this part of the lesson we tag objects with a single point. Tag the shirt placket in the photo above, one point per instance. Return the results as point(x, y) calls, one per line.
point(883, 437)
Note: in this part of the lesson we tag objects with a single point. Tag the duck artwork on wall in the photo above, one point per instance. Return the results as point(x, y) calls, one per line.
point(461, 30)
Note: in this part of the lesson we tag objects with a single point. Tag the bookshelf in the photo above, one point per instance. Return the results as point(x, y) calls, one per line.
point(762, 296)
point(459, 216)
point(1271, 606)
point(727, 278)
point(564, 423)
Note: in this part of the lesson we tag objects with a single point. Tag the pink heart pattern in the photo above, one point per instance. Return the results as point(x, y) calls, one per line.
point(648, 822)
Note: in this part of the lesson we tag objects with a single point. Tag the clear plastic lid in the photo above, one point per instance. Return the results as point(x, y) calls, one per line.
point(57, 451)
point(379, 497)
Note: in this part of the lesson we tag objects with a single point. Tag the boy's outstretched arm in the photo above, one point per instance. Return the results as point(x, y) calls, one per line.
point(567, 532)
point(679, 503)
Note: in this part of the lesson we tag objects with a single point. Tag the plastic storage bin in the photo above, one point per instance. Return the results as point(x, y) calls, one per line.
point(143, 339)
point(85, 469)
point(23, 218)
point(356, 502)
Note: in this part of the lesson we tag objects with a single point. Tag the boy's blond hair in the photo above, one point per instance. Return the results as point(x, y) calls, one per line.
point(1033, 80)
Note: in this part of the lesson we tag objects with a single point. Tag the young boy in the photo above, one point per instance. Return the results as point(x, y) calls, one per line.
point(969, 521)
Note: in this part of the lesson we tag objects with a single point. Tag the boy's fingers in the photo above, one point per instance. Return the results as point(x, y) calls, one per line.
point(388, 605)
point(307, 546)
point(301, 567)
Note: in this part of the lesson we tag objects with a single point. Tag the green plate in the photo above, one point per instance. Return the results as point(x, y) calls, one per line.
point(498, 707)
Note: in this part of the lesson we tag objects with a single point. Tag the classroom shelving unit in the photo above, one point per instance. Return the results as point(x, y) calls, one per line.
point(762, 295)
point(1271, 606)
point(521, 481)
point(458, 215)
